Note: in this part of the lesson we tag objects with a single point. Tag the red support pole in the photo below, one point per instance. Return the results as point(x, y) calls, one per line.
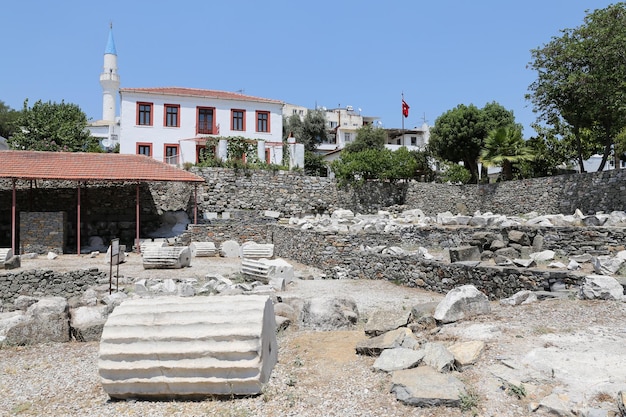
point(195, 204)
point(78, 222)
point(138, 249)
point(13, 220)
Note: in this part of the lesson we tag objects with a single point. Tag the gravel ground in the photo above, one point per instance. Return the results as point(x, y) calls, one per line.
point(318, 373)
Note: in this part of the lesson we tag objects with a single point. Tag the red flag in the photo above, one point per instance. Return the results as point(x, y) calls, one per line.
point(405, 109)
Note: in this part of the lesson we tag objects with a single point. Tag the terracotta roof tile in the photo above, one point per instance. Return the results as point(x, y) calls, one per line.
point(88, 166)
point(195, 92)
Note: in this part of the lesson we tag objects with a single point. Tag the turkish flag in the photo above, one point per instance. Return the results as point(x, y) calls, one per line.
point(405, 109)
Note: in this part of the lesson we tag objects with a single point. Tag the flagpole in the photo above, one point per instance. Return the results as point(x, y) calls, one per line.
point(402, 113)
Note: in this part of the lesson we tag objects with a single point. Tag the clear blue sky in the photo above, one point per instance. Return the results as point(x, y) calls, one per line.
point(363, 53)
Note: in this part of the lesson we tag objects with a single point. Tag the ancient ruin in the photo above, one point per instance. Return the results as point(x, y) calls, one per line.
point(164, 348)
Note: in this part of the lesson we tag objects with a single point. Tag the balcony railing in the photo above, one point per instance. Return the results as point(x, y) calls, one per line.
point(205, 128)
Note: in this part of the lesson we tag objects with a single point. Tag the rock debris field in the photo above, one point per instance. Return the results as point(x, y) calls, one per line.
point(552, 356)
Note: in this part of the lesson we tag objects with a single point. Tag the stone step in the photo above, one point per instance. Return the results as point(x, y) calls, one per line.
point(217, 353)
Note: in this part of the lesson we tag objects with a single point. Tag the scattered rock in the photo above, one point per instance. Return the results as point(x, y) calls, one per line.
point(462, 302)
point(425, 387)
point(437, 356)
point(390, 340)
point(602, 287)
point(520, 297)
point(398, 358)
point(382, 321)
point(466, 353)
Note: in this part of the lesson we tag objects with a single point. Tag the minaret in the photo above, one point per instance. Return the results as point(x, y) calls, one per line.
point(109, 80)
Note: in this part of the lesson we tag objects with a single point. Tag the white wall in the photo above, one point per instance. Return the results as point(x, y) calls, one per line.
point(159, 135)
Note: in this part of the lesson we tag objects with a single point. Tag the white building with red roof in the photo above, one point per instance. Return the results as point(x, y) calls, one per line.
point(173, 124)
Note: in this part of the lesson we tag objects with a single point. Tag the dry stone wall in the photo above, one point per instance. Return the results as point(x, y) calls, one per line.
point(293, 194)
point(40, 283)
point(341, 255)
point(588, 192)
point(108, 210)
point(41, 232)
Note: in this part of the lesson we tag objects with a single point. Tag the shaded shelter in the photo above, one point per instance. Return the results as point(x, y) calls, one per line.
point(84, 167)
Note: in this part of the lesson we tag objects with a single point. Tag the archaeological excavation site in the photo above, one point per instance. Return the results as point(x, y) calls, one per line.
point(269, 293)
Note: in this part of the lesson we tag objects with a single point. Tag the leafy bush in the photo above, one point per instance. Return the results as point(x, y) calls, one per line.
point(456, 174)
point(314, 164)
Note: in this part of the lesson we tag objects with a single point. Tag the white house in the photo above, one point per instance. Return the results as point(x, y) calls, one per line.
point(412, 139)
point(172, 124)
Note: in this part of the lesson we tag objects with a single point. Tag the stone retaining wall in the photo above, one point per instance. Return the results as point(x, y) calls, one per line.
point(590, 192)
point(339, 254)
point(108, 211)
point(293, 194)
point(39, 283)
point(42, 232)
point(413, 271)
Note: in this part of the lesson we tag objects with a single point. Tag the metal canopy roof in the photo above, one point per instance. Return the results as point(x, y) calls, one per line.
point(74, 166)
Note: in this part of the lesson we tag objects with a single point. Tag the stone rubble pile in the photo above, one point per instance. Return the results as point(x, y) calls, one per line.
point(342, 220)
point(427, 373)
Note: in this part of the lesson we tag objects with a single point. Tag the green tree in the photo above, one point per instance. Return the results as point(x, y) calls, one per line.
point(459, 134)
point(314, 164)
point(53, 127)
point(357, 167)
point(581, 80)
point(423, 168)
point(552, 156)
point(8, 116)
point(505, 147)
point(313, 129)
point(375, 164)
point(620, 145)
point(367, 137)
point(292, 125)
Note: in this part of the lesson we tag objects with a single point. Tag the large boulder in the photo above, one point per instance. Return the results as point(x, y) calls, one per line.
point(602, 287)
point(462, 302)
point(9, 320)
point(45, 321)
point(86, 322)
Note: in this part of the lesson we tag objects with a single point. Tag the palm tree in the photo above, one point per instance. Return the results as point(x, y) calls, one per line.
point(504, 147)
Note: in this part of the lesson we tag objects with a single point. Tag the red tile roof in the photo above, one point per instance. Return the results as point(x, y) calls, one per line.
point(88, 166)
point(195, 92)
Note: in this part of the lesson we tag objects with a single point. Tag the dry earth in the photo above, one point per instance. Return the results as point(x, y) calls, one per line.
point(576, 348)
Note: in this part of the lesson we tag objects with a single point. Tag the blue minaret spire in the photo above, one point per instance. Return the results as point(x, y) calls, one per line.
point(110, 49)
point(109, 80)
